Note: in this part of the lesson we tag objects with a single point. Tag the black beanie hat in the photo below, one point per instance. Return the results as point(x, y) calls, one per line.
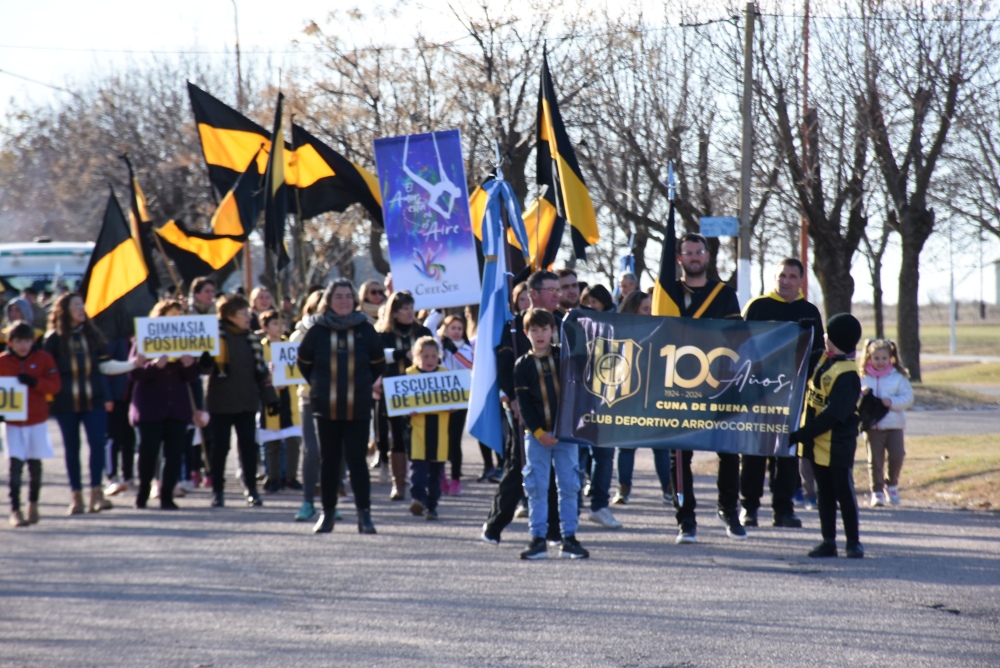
point(844, 331)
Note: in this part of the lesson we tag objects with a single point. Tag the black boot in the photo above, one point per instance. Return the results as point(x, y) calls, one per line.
point(142, 496)
point(325, 523)
point(365, 521)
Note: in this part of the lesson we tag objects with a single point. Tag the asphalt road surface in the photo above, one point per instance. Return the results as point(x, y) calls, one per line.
point(241, 587)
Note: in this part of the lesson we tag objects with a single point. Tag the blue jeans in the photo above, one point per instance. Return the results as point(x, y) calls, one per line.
point(626, 466)
point(601, 470)
point(539, 461)
point(425, 482)
point(95, 423)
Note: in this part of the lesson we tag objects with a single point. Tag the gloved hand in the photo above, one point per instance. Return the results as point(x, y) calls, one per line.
point(274, 409)
point(206, 359)
point(795, 437)
point(449, 345)
point(25, 379)
point(807, 323)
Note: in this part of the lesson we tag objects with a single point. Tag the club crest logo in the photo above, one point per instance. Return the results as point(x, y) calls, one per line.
point(613, 369)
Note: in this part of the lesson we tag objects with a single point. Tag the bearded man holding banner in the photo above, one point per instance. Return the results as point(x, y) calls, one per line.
point(785, 303)
point(698, 296)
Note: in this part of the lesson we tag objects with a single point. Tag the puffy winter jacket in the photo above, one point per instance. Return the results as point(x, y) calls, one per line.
point(895, 387)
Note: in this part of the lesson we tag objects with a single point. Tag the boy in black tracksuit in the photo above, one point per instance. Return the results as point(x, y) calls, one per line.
point(828, 436)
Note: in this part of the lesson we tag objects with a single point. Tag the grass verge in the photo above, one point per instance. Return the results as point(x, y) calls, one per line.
point(966, 374)
point(960, 470)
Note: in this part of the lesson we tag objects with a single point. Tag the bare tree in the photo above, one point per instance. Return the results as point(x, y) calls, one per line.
point(923, 62)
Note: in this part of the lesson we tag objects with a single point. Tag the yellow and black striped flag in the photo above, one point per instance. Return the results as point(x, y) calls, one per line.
point(140, 225)
point(666, 297)
point(541, 223)
point(197, 253)
point(114, 286)
point(327, 181)
point(557, 168)
point(229, 140)
point(276, 193)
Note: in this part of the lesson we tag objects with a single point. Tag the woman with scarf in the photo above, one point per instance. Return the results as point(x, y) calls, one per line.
point(342, 358)
point(399, 330)
point(238, 379)
point(83, 360)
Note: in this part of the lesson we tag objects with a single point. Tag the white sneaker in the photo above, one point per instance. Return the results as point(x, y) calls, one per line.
point(186, 486)
point(521, 510)
point(116, 487)
point(893, 495)
point(878, 500)
point(604, 518)
point(179, 491)
point(154, 490)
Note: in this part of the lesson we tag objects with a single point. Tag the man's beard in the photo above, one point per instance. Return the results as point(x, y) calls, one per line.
point(566, 305)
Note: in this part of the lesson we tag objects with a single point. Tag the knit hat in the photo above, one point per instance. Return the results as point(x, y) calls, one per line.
point(844, 331)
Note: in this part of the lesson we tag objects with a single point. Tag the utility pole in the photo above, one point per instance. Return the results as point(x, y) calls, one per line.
point(743, 268)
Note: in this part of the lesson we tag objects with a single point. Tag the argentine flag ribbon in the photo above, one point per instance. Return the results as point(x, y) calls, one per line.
point(484, 400)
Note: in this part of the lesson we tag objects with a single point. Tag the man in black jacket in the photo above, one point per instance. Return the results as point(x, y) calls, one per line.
point(698, 296)
point(785, 303)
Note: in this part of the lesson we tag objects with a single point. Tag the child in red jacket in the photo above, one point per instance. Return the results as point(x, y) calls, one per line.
point(28, 440)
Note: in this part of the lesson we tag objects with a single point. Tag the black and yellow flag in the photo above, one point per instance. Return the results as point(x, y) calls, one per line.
point(276, 193)
point(198, 253)
point(557, 168)
point(236, 215)
point(114, 286)
point(140, 225)
point(229, 140)
point(327, 181)
point(541, 223)
point(666, 297)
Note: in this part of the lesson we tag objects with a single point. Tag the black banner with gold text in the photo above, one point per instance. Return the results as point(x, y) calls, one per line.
point(664, 382)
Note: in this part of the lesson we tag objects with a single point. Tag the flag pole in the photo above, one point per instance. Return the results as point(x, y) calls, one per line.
point(678, 465)
point(173, 274)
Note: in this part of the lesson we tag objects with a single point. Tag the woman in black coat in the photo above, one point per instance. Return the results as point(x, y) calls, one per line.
point(342, 358)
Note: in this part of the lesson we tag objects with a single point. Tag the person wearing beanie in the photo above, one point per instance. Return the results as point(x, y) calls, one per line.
point(828, 434)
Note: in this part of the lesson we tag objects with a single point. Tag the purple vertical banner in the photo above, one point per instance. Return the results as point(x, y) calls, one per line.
point(425, 204)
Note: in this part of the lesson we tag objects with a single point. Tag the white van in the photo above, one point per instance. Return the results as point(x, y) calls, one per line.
point(42, 265)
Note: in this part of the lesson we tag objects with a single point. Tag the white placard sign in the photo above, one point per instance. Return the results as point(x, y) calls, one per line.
point(284, 365)
point(427, 392)
point(13, 399)
point(177, 335)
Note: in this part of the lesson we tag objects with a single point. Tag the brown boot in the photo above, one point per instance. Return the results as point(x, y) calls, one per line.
point(76, 504)
point(32, 513)
point(17, 519)
point(97, 501)
point(397, 461)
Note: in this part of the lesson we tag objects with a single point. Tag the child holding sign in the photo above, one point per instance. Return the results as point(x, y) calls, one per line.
point(428, 438)
point(458, 355)
point(28, 440)
point(278, 424)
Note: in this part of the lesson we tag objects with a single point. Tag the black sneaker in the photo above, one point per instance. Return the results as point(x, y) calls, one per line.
point(488, 537)
point(431, 514)
point(572, 549)
point(749, 518)
point(731, 520)
point(253, 499)
point(218, 501)
point(686, 534)
point(537, 549)
point(824, 549)
point(787, 520)
point(855, 551)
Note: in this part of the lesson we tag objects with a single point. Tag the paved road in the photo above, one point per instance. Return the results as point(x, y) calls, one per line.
point(249, 587)
point(942, 423)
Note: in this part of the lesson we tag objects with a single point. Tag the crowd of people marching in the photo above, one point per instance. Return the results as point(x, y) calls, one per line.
point(333, 435)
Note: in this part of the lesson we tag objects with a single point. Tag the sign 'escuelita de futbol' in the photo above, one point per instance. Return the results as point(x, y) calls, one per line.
point(427, 392)
point(662, 382)
point(177, 335)
point(13, 399)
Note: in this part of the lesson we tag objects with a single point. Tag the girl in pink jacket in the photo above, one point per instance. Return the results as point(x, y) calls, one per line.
point(883, 376)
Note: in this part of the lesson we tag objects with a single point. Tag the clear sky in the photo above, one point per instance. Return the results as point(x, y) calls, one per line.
point(59, 41)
